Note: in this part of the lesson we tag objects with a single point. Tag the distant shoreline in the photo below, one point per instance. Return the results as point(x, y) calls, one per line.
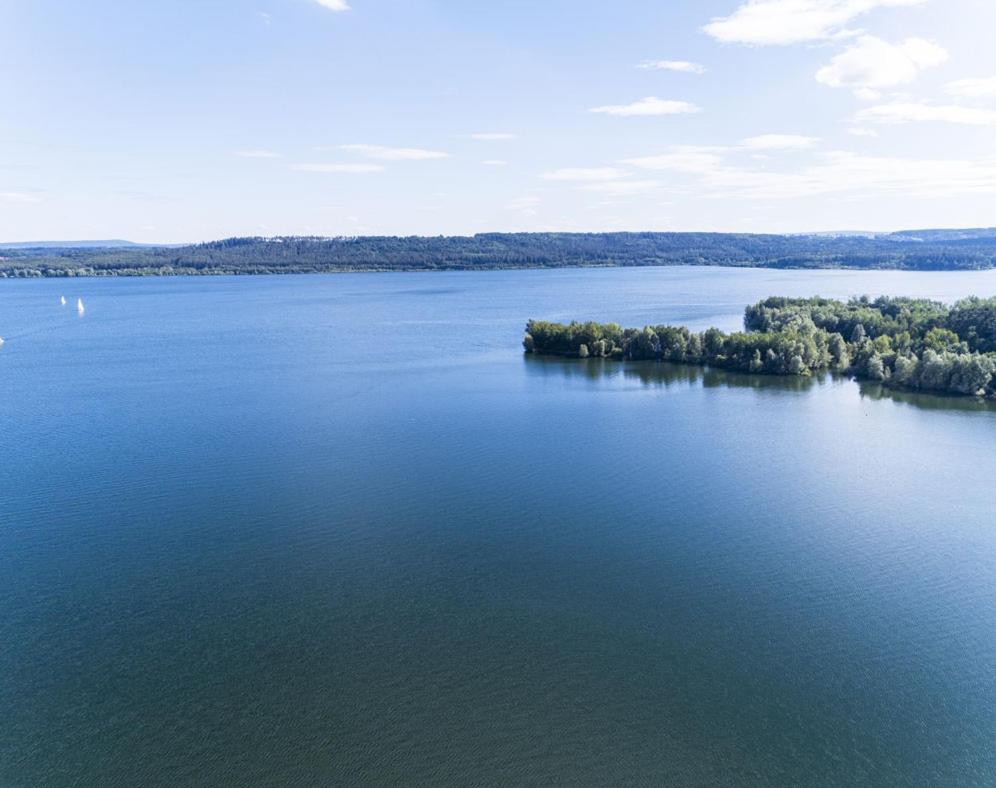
point(177, 272)
point(924, 250)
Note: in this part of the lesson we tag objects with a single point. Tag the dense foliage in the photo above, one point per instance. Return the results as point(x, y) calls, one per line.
point(902, 342)
point(929, 250)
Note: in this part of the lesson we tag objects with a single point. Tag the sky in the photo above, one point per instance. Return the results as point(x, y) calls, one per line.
point(188, 120)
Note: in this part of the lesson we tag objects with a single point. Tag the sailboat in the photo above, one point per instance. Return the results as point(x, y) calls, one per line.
point(79, 306)
point(62, 299)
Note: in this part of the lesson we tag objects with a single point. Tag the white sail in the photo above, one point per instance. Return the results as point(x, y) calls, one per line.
point(79, 306)
point(62, 299)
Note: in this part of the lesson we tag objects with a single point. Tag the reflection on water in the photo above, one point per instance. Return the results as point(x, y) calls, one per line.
point(663, 375)
point(876, 391)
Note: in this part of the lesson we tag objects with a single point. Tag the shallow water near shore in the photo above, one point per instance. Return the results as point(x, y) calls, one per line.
point(338, 528)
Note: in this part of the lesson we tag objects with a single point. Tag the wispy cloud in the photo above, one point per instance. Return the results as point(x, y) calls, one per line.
point(384, 153)
point(767, 22)
point(681, 66)
point(623, 188)
point(22, 198)
point(585, 174)
point(871, 64)
point(708, 174)
point(979, 88)
point(911, 112)
point(766, 142)
point(257, 154)
point(526, 204)
point(609, 181)
point(338, 168)
point(492, 136)
point(651, 105)
point(710, 159)
point(682, 158)
point(334, 5)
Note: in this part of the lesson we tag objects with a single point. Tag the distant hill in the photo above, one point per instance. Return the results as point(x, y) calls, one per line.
point(944, 235)
point(918, 250)
point(114, 244)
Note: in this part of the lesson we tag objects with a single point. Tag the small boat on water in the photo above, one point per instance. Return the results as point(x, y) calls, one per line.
point(1, 340)
point(63, 300)
point(79, 306)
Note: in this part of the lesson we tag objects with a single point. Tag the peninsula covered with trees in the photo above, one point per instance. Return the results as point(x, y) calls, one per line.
point(922, 250)
point(904, 343)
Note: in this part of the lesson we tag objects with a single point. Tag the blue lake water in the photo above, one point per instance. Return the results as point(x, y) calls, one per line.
point(338, 529)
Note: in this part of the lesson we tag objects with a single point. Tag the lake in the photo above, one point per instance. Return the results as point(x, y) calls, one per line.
point(338, 529)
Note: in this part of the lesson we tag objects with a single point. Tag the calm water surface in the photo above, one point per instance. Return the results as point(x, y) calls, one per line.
point(323, 529)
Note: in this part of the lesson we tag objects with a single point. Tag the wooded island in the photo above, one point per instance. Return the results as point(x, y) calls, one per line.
point(905, 343)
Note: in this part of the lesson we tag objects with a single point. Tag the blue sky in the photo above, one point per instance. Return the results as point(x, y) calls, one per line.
point(185, 121)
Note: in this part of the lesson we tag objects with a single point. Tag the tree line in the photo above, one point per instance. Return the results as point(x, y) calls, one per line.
point(929, 250)
point(906, 343)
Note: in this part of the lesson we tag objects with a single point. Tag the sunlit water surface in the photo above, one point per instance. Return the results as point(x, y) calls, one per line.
point(325, 529)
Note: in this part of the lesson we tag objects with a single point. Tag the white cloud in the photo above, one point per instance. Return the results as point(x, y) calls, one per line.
point(384, 153)
point(21, 198)
point(871, 63)
point(764, 22)
point(867, 94)
point(257, 154)
point(860, 131)
point(338, 168)
point(848, 172)
point(682, 66)
point(585, 174)
point(779, 142)
point(984, 87)
point(682, 158)
point(708, 175)
point(710, 159)
point(495, 162)
point(493, 136)
point(334, 5)
point(651, 105)
point(909, 112)
point(610, 181)
point(622, 188)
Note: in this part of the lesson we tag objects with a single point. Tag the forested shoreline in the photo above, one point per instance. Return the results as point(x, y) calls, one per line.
point(903, 343)
point(926, 250)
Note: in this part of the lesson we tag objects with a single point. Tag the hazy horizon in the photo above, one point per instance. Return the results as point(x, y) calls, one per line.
point(129, 242)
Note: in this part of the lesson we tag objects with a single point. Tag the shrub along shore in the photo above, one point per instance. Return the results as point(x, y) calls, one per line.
point(904, 343)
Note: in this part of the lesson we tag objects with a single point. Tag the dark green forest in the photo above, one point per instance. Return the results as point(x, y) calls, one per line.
point(904, 343)
point(928, 250)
